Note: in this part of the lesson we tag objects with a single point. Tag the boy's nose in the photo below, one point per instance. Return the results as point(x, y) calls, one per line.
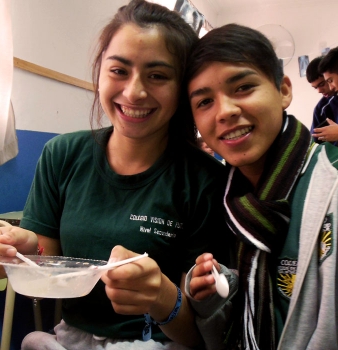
point(227, 109)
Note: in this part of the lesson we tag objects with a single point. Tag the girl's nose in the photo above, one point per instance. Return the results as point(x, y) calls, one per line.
point(134, 89)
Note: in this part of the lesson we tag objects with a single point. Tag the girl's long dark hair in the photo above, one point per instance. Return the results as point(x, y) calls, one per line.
point(179, 38)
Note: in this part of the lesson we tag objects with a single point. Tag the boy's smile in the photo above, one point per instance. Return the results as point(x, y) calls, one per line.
point(239, 112)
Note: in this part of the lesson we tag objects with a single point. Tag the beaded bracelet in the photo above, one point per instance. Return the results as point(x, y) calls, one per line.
point(146, 333)
point(39, 250)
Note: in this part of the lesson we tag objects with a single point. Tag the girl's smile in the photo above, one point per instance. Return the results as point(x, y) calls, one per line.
point(138, 82)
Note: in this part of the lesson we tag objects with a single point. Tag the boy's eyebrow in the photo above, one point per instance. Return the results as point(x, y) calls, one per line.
point(240, 76)
point(151, 64)
point(230, 80)
point(199, 92)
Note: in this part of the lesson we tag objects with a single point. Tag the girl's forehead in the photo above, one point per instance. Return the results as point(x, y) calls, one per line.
point(144, 46)
point(132, 31)
point(131, 37)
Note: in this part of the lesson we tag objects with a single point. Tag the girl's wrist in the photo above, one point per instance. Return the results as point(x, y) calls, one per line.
point(165, 302)
point(149, 321)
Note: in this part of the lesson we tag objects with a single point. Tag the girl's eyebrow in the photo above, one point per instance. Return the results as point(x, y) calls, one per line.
point(230, 80)
point(151, 64)
point(120, 59)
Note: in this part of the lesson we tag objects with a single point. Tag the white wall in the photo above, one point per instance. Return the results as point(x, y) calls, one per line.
point(58, 34)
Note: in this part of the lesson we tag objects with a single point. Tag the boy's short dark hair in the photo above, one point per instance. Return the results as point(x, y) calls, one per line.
point(235, 43)
point(312, 72)
point(329, 63)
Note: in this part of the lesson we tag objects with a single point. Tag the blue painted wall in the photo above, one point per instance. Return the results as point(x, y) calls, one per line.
point(17, 174)
point(15, 180)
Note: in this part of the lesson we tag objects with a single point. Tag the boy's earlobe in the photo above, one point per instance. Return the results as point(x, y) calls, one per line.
point(286, 91)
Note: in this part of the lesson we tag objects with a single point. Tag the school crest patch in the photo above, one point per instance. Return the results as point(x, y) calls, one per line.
point(325, 239)
point(286, 276)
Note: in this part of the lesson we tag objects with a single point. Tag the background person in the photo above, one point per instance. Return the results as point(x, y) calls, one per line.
point(327, 107)
point(280, 200)
point(204, 147)
point(138, 186)
point(329, 68)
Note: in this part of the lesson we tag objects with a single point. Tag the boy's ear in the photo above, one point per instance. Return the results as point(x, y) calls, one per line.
point(286, 92)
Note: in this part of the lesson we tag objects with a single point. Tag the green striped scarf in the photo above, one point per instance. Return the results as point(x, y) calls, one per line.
point(260, 219)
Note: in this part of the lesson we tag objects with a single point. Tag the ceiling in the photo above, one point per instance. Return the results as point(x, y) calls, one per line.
point(252, 3)
point(238, 5)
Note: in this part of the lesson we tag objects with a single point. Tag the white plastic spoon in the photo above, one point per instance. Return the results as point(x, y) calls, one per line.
point(26, 260)
point(222, 284)
point(108, 266)
point(118, 263)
